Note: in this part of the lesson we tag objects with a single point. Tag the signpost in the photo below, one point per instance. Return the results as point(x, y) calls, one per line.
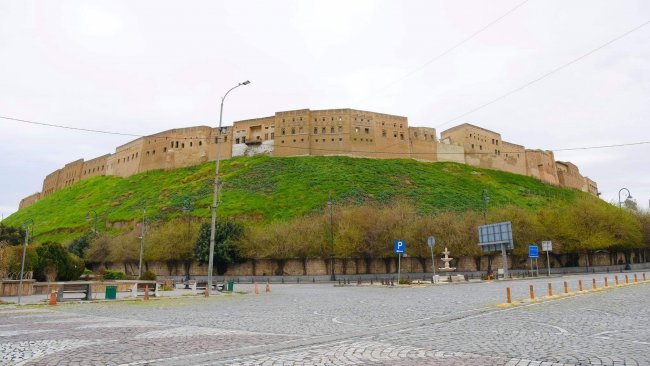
point(399, 248)
point(533, 253)
point(547, 246)
point(494, 237)
point(431, 242)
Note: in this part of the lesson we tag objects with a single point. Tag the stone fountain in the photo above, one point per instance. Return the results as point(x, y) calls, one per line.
point(446, 259)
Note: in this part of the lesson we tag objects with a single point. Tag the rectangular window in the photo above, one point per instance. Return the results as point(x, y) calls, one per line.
point(367, 130)
point(356, 130)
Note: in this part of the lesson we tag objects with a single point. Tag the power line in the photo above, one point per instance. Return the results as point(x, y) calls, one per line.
point(503, 96)
point(69, 127)
point(452, 48)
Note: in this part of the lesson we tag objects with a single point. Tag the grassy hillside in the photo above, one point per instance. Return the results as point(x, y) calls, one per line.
point(265, 188)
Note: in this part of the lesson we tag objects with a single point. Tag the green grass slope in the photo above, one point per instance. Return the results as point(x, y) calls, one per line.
point(268, 188)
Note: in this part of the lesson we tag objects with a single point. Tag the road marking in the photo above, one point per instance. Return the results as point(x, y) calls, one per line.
point(561, 330)
point(335, 320)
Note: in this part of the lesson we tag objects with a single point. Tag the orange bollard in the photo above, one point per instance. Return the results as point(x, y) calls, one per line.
point(206, 293)
point(508, 297)
point(550, 289)
point(635, 279)
point(606, 285)
point(566, 287)
point(256, 289)
point(268, 287)
point(146, 292)
point(627, 280)
point(532, 293)
point(644, 277)
point(52, 298)
point(580, 285)
point(616, 280)
point(593, 283)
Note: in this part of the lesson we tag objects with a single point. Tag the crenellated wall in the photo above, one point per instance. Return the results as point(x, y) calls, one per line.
point(319, 132)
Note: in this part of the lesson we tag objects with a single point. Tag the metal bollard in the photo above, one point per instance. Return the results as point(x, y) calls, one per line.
point(508, 297)
point(580, 285)
point(616, 280)
point(636, 280)
point(550, 289)
point(627, 280)
point(532, 292)
point(644, 277)
point(566, 287)
point(371, 281)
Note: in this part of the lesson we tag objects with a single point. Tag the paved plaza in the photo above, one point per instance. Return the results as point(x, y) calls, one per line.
point(322, 324)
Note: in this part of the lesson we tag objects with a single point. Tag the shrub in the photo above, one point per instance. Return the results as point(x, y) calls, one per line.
point(113, 275)
point(56, 263)
point(404, 281)
point(148, 276)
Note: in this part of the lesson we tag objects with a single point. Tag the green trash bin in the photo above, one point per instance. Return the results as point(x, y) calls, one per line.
point(111, 292)
point(231, 285)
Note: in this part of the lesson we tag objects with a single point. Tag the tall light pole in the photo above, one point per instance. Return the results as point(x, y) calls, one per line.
point(26, 226)
point(330, 206)
point(629, 195)
point(94, 221)
point(486, 199)
point(142, 231)
point(216, 187)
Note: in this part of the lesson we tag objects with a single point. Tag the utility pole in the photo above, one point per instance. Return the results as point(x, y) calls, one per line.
point(22, 263)
point(330, 205)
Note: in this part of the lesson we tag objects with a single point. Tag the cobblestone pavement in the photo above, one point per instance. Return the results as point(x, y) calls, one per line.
point(311, 324)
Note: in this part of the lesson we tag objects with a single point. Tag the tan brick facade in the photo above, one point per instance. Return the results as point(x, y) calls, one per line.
point(321, 132)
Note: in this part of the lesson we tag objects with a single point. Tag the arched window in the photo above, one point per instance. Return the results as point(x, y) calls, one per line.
point(283, 131)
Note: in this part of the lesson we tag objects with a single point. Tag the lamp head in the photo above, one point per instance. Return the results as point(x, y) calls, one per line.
point(245, 82)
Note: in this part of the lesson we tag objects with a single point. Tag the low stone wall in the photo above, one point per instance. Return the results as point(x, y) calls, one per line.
point(10, 287)
point(354, 266)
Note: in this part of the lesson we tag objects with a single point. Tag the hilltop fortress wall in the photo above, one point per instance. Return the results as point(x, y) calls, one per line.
point(321, 132)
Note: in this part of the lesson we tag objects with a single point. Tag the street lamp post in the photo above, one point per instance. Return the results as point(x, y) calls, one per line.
point(144, 213)
point(629, 195)
point(486, 199)
point(22, 263)
point(216, 188)
point(330, 205)
point(94, 221)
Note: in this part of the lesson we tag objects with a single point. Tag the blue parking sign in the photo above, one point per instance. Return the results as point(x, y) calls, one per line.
point(533, 251)
point(400, 246)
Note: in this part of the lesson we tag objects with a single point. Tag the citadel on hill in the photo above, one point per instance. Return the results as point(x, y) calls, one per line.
point(322, 132)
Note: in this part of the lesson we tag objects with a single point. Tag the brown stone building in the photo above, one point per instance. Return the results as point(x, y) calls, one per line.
point(321, 132)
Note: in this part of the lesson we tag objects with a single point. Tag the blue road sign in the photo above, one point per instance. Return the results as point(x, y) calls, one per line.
point(400, 247)
point(533, 251)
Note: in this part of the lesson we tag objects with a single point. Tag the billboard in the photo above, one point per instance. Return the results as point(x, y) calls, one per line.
point(492, 236)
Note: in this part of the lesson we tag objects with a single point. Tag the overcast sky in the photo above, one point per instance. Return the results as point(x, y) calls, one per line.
point(146, 66)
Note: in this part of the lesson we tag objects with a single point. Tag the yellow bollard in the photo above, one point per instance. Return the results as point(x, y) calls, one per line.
point(146, 292)
point(550, 289)
point(627, 280)
point(644, 277)
point(616, 280)
point(508, 297)
point(606, 285)
point(256, 289)
point(635, 279)
point(580, 285)
point(566, 287)
point(532, 293)
point(593, 283)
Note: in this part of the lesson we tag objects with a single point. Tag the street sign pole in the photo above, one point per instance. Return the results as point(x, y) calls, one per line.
point(399, 266)
point(548, 265)
point(431, 242)
point(399, 248)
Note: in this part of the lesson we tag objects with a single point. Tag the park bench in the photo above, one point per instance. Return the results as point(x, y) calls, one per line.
point(71, 288)
point(202, 285)
point(139, 287)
